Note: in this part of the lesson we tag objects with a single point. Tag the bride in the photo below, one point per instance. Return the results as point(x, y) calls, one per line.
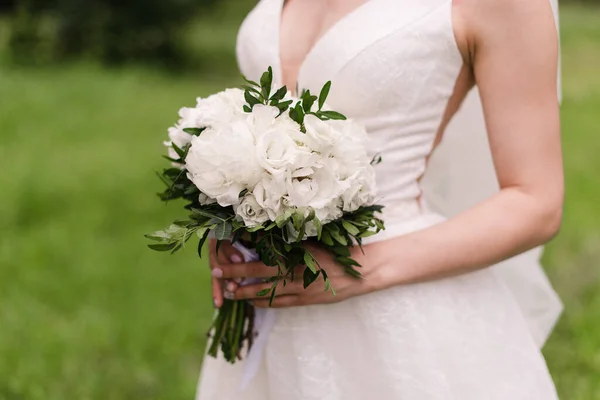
point(439, 314)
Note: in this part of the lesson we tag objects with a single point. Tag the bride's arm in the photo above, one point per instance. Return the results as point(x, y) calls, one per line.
point(513, 46)
point(514, 51)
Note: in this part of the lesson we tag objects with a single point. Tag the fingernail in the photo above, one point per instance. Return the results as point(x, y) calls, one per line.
point(217, 273)
point(228, 295)
point(236, 258)
point(231, 286)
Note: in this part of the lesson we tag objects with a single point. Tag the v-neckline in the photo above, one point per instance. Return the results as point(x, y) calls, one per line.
point(315, 46)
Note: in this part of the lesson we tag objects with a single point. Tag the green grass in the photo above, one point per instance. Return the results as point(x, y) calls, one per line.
point(573, 258)
point(87, 312)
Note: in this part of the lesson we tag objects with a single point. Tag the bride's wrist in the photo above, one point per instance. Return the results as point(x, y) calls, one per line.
point(383, 267)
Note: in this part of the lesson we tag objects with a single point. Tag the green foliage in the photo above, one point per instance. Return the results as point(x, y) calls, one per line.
point(258, 93)
point(112, 31)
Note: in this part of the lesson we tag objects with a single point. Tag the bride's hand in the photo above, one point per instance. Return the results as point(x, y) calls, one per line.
point(294, 294)
point(226, 256)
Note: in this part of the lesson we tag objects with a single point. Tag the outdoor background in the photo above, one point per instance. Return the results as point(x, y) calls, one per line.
point(87, 90)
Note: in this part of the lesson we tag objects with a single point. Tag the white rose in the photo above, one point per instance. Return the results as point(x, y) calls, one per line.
point(269, 194)
point(205, 200)
point(250, 211)
point(220, 165)
point(223, 107)
point(350, 152)
point(278, 153)
point(321, 136)
point(316, 191)
point(187, 119)
point(332, 211)
point(361, 191)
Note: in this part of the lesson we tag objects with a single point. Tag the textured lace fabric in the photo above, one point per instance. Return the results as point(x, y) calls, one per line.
point(393, 64)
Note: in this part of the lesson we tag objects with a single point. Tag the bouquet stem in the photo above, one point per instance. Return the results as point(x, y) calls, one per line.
point(232, 327)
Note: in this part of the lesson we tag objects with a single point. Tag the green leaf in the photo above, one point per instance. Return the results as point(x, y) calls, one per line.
point(294, 115)
point(255, 228)
point(223, 231)
point(367, 234)
point(347, 261)
point(284, 105)
point(309, 261)
point(279, 94)
point(376, 159)
point(283, 218)
point(207, 214)
point(272, 297)
point(326, 238)
point(307, 101)
point(218, 246)
point(200, 232)
point(251, 100)
point(341, 251)
point(172, 159)
point(251, 89)
point(298, 219)
point(263, 292)
point(180, 152)
point(250, 82)
point(332, 115)
point(301, 233)
point(266, 80)
point(319, 227)
point(247, 108)
point(323, 95)
point(159, 236)
point(309, 277)
point(162, 246)
point(351, 229)
point(194, 131)
point(352, 272)
point(202, 241)
point(270, 226)
point(337, 236)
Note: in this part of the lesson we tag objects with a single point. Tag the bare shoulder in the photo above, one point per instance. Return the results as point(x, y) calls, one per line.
point(482, 22)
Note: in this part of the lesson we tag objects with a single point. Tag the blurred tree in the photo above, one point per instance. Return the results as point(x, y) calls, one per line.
point(113, 31)
point(7, 6)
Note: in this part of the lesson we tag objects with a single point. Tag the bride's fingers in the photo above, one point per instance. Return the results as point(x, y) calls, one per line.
point(229, 254)
point(243, 270)
point(231, 286)
point(217, 293)
point(280, 302)
point(251, 291)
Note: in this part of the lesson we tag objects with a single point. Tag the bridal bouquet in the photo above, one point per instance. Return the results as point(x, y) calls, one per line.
point(259, 167)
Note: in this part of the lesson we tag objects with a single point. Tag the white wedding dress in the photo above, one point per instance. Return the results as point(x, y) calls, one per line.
point(394, 64)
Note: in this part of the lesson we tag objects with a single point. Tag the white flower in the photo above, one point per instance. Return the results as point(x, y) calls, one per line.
point(316, 191)
point(176, 134)
point(220, 164)
point(361, 192)
point(250, 211)
point(269, 194)
point(321, 136)
point(276, 150)
point(223, 107)
point(205, 200)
